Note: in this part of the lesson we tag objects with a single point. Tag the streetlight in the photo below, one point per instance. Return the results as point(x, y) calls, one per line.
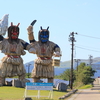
point(28, 65)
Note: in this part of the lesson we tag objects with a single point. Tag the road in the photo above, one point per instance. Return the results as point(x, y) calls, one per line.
point(87, 94)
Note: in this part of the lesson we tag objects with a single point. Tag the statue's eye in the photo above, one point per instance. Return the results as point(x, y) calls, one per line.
point(41, 35)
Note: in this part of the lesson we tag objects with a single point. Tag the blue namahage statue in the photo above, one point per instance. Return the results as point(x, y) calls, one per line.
point(45, 50)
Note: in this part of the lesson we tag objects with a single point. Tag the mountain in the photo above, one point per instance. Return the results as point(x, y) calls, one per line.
point(62, 64)
point(58, 70)
point(67, 65)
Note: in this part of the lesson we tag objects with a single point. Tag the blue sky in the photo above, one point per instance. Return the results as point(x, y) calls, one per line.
point(62, 17)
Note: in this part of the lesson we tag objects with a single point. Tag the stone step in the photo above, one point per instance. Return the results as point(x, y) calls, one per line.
point(96, 87)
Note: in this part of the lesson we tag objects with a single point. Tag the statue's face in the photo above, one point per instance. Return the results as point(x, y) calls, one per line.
point(44, 36)
point(14, 33)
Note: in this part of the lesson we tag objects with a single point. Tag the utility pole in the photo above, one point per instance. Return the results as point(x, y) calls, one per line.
point(90, 60)
point(77, 60)
point(72, 39)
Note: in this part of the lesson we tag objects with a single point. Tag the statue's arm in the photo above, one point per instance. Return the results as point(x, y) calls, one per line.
point(1, 38)
point(1, 43)
point(28, 47)
point(57, 51)
point(30, 34)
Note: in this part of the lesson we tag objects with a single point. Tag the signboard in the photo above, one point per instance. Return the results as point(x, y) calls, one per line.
point(39, 86)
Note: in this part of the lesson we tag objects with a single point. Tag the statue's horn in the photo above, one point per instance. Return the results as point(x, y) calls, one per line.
point(18, 24)
point(11, 23)
point(41, 27)
point(47, 27)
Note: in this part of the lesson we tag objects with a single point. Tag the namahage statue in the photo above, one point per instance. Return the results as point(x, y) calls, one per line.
point(45, 50)
point(12, 64)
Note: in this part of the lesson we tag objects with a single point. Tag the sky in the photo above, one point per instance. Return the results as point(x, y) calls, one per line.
point(62, 17)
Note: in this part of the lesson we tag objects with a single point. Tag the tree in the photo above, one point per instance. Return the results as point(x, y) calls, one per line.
point(85, 74)
point(66, 75)
point(88, 73)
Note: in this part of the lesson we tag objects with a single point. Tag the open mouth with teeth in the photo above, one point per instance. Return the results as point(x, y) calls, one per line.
point(44, 39)
point(14, 36)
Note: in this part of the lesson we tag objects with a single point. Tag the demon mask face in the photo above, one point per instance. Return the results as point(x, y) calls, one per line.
point(13, 31)
point(44, 35)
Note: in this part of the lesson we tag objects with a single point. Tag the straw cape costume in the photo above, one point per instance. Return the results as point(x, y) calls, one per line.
point(12, 64)
point(45, 49)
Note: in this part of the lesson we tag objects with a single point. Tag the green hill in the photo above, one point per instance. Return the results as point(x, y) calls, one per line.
point(65, 64)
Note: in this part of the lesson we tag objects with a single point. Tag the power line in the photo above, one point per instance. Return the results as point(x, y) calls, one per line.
point(86, 46)
point(86, 49)
point(89, 36)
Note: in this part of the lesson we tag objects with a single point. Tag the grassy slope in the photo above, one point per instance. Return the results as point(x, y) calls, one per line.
point(85, 86)
point(13, 93)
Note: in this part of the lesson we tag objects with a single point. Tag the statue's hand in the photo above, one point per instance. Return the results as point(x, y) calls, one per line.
point(32, 50)
point(30, 29)
point(57, 54)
